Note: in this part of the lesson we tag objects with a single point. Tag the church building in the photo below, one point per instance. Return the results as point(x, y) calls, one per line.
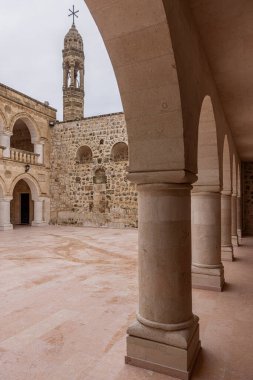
point(69, 172)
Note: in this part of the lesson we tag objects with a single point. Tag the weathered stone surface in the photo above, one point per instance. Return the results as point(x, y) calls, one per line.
point(91, 189)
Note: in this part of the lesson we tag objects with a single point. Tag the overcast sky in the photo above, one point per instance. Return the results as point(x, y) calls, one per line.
point(31, 43)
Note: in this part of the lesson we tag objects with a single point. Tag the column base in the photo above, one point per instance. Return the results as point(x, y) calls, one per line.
point(208, 278)
point(239, 235)
point(6, 227)
point(235, 242)
point(39, 224)
point(172, 353)
point(227, 253)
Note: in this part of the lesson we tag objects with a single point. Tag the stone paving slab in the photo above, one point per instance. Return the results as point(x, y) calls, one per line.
point(68, 295)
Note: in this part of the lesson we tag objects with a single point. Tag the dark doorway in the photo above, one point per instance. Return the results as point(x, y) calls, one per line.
point(25, 208)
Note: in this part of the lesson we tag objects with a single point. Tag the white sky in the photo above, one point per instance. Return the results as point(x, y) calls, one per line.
point(31, 43)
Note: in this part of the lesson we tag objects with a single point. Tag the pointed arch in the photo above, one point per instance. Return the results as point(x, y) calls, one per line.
point(31, 182)
point(142, 55)
point(30, 123)
point(3, 123)
point(226, 167)
point(2, 188)
point(208, 159)
point(234, 176)
point(239, 179)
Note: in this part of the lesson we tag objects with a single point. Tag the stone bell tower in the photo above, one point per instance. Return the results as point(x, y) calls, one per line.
point(73, 75)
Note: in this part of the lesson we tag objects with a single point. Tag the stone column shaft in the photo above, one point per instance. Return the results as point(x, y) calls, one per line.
point(207, 269)
point(166, 330)
point(5, 223)
point(5, 140)
point(38, 214)
point(82, 79)
point(234, 236)
point(65, 77)
point(72, 71)
point(226, 242)
point(39, 149)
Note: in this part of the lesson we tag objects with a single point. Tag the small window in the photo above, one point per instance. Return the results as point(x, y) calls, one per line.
point(119, 152)
point(100, 176)
point(84, 155)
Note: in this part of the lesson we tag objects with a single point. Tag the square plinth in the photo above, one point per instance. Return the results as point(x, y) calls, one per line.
point(227, 253)
point(172, 360)
point(208, 279)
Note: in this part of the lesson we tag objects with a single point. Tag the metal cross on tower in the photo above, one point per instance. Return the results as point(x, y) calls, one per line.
point(73, 13)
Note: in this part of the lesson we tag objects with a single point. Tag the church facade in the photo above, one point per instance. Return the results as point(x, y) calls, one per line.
point(70, 172)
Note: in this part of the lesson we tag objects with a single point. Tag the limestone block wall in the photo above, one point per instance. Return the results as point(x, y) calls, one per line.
point(91, 190)
point(247, 181)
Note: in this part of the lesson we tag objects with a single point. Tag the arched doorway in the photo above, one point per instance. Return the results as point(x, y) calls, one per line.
point(22, 206)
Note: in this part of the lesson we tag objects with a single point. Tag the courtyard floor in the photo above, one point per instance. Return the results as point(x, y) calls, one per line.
point(68, 295)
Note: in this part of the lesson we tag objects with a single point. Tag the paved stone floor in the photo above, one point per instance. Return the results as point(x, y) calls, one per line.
point(68, 295)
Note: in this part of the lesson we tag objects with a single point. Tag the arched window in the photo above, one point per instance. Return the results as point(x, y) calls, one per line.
point(100, 176)
point(119, 152)
point(84, 155)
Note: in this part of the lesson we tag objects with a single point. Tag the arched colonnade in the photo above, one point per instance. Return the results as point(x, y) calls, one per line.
point(41, 203)
point(181, 154)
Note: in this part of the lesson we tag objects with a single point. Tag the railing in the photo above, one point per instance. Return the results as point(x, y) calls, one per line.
point(23, 156)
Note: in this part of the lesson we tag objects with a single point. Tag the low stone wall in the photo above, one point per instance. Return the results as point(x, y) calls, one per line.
point(91, 190)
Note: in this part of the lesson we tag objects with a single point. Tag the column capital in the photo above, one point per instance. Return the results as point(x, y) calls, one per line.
point(6, 133)
point(197, 189)
point(6, 199)
point(226, 192)
point(166, 176)
point(160, 187)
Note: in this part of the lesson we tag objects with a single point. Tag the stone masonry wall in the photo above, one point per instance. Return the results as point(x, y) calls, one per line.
point(93, 191)
point(247, 182)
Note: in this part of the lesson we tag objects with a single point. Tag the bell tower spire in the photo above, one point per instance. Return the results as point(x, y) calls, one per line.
point(73, 73)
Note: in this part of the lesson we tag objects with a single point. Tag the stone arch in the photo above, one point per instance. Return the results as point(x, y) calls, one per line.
point(31, 182)
point(84, 154)
point(119, 152)
point(140, 48)
point(234, 176)
point(239, 180)
point(226, 167)
point(3, 123)
point(30, 123)
point(208, 159)
point(2, 188)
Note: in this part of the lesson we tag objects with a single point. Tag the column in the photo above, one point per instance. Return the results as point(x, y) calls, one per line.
point(234, 236)
point(226, 243)
point(39, 149)
point(82, 78)
point(5, 223)
point(207, 269)
point(38, 214)
point(165, 337)
point(72, 73)
point(5, 139)
point(65, 76)
point(239, 218)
